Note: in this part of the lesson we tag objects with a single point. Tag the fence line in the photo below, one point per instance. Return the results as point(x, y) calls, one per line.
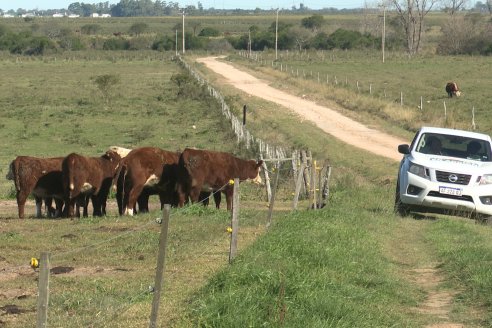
point(358, 85)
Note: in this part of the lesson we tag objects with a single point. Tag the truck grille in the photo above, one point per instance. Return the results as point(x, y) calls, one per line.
point(462, 179)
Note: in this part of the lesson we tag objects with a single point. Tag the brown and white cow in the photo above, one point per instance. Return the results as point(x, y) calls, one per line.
point(40, 176)
point(211, 171)
point(452, 89)
point(143, 172)
point(88, 176)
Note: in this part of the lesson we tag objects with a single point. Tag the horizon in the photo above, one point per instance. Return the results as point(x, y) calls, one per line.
point(30, 5)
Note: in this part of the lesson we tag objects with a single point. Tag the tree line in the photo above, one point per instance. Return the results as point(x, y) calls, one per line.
point(469, 33)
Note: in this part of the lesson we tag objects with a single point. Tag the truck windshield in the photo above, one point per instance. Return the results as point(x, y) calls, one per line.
point(454, 146)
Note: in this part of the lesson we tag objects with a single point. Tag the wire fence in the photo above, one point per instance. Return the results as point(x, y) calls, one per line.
point(424, 103)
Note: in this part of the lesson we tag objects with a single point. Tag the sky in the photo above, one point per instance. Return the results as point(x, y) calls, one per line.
point(218, 4)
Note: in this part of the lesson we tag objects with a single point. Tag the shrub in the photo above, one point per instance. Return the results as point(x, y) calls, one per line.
point(90, 29)
point(209, 31)
point(116, 44)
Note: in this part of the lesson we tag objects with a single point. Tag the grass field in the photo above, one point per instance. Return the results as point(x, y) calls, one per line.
point(351, 264)
point(407, 92)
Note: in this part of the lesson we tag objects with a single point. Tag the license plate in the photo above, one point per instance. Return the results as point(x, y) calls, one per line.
point(450, 191)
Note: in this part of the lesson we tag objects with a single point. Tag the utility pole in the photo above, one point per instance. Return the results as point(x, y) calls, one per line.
point(183, 31)
point(276, 34)
point(384, 29)
point(249, 43)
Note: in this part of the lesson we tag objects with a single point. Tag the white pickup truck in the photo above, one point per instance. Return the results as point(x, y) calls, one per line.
point(446, 171)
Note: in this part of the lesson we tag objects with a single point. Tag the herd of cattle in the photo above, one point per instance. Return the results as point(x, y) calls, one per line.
point(136, 174)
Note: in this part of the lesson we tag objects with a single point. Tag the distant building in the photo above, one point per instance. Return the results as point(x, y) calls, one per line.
point(94, 15)
point(73, 16)
point(7, 15)
point(58, 15)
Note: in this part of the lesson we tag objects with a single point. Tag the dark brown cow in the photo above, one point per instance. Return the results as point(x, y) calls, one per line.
point(143, 172)
point(39, 176)
point(452, 89)
point(205, 170)
point(88, 176)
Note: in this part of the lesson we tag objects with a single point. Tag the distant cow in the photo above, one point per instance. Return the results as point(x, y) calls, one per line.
point(205, 170)
point(452, 89)
point(143, 172)
point(88, 176)
point(42, 178)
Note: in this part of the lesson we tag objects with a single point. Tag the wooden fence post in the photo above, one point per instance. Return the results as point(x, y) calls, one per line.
point(305, 172)
point(325, 190)
point(43, 289)
point(298, 185)
point(234, 221)
point(272, 200)
point(267, 179)
point(313, 183)
point(161, 258)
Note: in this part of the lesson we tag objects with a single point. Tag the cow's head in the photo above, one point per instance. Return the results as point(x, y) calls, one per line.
point(457, 93)
point(120, 150)
point(112, 156)
point(255, 177)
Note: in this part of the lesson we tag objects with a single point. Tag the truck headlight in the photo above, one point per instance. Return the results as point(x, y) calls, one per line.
point(486, 179)
point(419, 170)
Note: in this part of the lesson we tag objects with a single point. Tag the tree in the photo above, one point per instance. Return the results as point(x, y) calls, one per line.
point(411, 14)
point(138, 28)
point(313, 22)
point(453, 6)
point(301, 36)
point(105, 84)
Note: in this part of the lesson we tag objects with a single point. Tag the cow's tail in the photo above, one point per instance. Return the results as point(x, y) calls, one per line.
point(14, 174)
point(120, 169)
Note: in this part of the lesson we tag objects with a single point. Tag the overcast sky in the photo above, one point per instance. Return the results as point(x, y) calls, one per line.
point(218, 4)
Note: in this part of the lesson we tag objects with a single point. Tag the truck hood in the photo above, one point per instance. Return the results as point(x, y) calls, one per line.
point(452, 164)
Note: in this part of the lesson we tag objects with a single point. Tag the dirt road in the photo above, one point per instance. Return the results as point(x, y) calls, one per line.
point(328, 120)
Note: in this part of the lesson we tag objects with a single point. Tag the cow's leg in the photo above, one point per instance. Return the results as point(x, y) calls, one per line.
point(217, 198)
point(195, 194)
point(21, 202)
point(59, 207)
point(39, 206)
point(143, 202)
point(181, 195)
point(119, 199)
point(229, 192)
point(132, 198)
point(204, 198)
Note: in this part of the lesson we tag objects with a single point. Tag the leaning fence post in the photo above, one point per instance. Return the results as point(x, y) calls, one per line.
point(234, 221)
point(43, 289)
point(272, 200)
point(300, 176)
point(161, 258)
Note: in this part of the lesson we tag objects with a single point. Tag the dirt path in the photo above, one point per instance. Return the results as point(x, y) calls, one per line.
point(438, 302)
point(326, 119)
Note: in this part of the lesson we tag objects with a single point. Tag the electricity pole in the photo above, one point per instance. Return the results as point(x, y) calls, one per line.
point(183, 31)
point(384, 29)
point(276, 34)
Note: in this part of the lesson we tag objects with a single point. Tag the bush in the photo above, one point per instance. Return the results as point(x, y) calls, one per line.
point(163, 43)
point(116, 44)
point(209, 32)
point(138, 28)
point(90, 29)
